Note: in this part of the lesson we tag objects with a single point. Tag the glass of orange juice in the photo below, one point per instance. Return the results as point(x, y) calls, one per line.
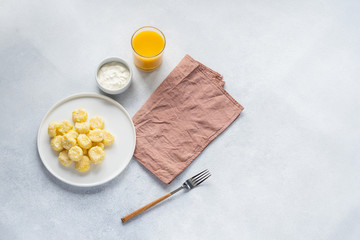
point(148, 44)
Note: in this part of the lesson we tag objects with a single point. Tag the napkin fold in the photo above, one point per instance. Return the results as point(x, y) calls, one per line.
point(185, 113)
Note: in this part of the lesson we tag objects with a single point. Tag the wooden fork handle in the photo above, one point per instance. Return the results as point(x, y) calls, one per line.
point(140, 210)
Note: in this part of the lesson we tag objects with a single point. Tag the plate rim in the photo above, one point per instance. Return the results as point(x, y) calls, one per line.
point(69, 98)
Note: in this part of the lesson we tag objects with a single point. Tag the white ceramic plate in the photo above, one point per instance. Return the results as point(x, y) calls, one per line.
point(118, 155)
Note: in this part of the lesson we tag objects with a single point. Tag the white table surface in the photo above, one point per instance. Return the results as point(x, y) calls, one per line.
point(287, 168)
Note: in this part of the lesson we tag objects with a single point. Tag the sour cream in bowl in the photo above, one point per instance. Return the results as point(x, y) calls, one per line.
point(113, 75)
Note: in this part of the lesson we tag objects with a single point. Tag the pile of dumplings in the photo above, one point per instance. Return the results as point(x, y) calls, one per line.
point(83, 143)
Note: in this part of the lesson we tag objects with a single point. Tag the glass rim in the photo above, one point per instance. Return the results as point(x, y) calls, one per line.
point(162, 34)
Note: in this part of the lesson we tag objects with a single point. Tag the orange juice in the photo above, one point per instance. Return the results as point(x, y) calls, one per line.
point(148, 44)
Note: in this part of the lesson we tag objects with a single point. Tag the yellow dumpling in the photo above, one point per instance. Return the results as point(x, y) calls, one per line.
point(72, 134)
point(56, 143)
point(83, 127)
point(52, 128)
point(84, 141)
point(68, 143)
point(96, 122)
point(83, 165)
point(108, 138)
point(75, 153)
point(96, 155)
point(64, 127)
point(64, 158)
point(96, 135)
point(98, 144)
point(79, 115)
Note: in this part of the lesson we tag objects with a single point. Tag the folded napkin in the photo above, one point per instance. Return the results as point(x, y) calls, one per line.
point(184, 114)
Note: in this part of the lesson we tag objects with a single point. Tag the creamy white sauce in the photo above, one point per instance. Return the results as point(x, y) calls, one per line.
point(113, 75)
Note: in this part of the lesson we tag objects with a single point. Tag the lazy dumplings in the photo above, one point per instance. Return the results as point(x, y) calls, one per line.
point(83, 127)
point(64, 158)
point(79, 115)
point(83, 165)
point(64, 127)
point(96, 155)
point(56, 143)
point(83, 143)
point(108, 138)
point(52, 129)
point(97, 122)
point(75, 153)
point(96, 135)
point(68, 142)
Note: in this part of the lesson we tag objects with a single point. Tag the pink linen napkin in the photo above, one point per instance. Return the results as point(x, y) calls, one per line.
point(185, 113)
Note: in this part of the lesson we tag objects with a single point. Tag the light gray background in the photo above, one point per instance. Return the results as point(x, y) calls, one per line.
point(287, 168)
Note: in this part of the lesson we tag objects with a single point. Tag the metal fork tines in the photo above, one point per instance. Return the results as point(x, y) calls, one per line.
point(197, 179)
point(194, 181)
point(188, 184)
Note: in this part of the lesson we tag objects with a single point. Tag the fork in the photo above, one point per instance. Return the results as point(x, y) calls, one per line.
point(188, 184)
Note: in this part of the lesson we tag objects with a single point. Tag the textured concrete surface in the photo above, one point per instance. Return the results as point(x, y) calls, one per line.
point(288, 168)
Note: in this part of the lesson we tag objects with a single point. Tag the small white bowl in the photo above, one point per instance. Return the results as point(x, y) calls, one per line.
point(112, 91)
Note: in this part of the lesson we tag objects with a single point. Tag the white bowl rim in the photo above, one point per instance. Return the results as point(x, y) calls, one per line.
point(108, 60)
